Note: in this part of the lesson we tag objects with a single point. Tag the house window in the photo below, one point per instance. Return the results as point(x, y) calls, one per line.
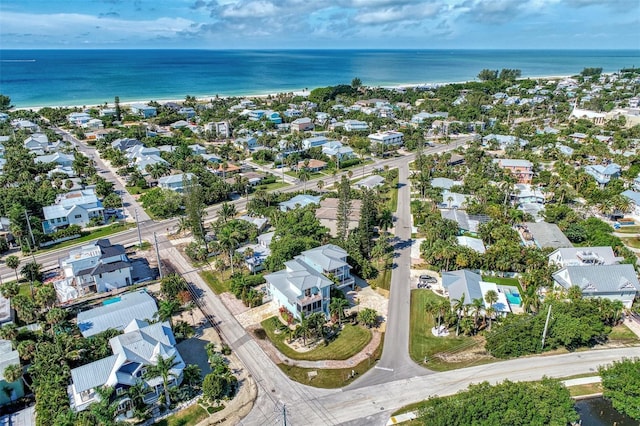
point(78, 216)
point(307, 292)
point(119, 391)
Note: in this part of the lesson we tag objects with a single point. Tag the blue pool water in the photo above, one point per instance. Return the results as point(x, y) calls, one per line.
point(513, 298)
point(112, 300)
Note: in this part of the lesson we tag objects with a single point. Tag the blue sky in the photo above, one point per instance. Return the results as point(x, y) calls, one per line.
point(320, 24)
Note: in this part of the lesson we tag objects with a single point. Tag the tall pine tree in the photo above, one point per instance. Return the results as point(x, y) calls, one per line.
point(368, 214)
point(344, 208)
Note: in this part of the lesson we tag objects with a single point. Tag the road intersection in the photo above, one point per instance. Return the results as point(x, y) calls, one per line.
point(396, 381)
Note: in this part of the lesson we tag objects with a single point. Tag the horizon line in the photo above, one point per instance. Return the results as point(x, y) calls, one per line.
point(328, 49)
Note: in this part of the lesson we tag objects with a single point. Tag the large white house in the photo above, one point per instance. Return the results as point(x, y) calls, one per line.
point(175, 182)
point(615, 282)
point(304, 285)
point(72, 208)
point(583, 256)
point(141, 345)
point(388, 138)
point(95, 268)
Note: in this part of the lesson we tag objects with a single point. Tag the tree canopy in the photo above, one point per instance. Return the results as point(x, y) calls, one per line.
point(525, 403)
point(621, 383)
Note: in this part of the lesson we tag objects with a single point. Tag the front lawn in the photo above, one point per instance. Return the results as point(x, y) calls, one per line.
point(633, 242)
point(351, 340)
point(422, 343)
point(187, 417)
point(622, 334)
point(634, 229)
point(273, 186)
point(586, 389)
point(213, 281)
point(334, 377)
point(383, 280)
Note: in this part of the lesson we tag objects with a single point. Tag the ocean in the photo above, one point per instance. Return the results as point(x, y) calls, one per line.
point(90, 77)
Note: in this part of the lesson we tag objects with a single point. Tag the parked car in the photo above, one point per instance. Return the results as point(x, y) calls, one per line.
point(426, 279)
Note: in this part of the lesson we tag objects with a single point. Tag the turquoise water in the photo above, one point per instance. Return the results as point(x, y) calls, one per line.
point(112, 300)
point(514, 298)
point(89, 77)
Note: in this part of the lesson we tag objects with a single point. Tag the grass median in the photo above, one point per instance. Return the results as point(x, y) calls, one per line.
point(351, 340)
point(335, 377)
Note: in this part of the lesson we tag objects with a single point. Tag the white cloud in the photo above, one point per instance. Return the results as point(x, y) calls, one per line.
point(75, 24)
point(252, 9)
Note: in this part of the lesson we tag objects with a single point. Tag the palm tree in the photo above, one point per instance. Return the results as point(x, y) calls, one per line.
point(157, 170)
point(491, 297)
point(477, 306)
point(385, 219)
point(304, 175)
point(337, 307)
point(320, 185)
point(12, 373)
point(162, 369)
point(227, 211)
point(458, 306)
point(13, 262)
point(368, 317)
point(9, 290)
point(490, 312)
point(166, 309)
point(304, 328)
point(229, 238)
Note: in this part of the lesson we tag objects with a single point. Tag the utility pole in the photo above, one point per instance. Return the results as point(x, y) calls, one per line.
point(138, 227)
point(546, 324)
point(33, 241)
point(155, 240)
point(284, 415)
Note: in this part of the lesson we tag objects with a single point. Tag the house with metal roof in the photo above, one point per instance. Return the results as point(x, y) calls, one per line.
point(543, 235)
point(117, 313)
point(255, 254)
point(175, 182)
point(304, 285)
point(61, 159)
point(445, 183)
point(301, 200)
point(467, 285)
point(474, 244)
point(615, 282)
point(141, 346)
point(95, 268)
point(603, 174)
point(11, 391)
point(72, 208)
point(370, 182)
point(583, 256)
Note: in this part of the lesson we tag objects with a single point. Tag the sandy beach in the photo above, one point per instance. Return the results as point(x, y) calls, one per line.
point(302, 92)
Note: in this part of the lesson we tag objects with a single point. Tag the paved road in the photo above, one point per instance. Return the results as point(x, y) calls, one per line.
point(372, 405)
point(306, 405)
point(395, 362)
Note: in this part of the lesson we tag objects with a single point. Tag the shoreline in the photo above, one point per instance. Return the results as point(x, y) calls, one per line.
point(302, 92)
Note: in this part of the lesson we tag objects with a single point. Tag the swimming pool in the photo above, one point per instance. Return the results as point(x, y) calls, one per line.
point(513, 298)
point(112, 300)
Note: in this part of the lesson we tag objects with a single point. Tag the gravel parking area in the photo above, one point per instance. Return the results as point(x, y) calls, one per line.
point(368, 298)
point(258, 314)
